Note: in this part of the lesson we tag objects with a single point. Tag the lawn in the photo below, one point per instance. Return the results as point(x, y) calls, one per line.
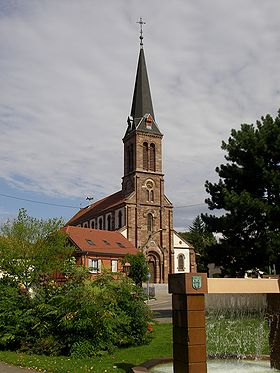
point(120, 361)
point(240, 336)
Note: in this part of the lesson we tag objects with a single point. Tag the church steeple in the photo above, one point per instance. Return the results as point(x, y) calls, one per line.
point(142, 100)
point(142, 116)
point(142, 140)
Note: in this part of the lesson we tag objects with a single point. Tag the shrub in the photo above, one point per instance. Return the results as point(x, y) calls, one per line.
point(14, 316)
point(79, 318)
point(82, 349)
point(48, 345)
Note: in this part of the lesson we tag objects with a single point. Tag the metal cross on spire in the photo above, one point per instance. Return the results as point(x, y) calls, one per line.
point(141, 23)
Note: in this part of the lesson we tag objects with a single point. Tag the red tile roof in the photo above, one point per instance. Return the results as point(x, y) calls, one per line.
point(100, 242)
point(100, 206)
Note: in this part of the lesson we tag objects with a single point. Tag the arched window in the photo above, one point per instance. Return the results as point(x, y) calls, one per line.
point(147, 195)
point(92, 224)
point(100, 223)
point(181, 262)
point(85, 225)
point(109, 221)
point(145, 156)
point(127, 157)
point(152, 157)
point(150, 222)
point(130, 158)
point(120, 219)
point(152, 197)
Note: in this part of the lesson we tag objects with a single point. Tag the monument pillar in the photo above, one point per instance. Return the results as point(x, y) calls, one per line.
point(188, 314)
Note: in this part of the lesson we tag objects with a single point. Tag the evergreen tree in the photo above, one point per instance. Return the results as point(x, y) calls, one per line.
point(201, 239)
point(248, 194)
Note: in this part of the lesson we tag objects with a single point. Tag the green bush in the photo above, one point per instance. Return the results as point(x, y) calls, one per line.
point(79, 318)
point(14, 314)
point(82, 349)
point(49, 345)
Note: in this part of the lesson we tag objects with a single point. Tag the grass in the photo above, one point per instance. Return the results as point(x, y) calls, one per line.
point(119, 362)
point(225, 335)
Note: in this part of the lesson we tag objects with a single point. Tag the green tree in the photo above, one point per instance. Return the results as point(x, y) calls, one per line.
point(79, 317)
point(201, 239)
point(138, 268)
point(248, 195)
point(32, 250)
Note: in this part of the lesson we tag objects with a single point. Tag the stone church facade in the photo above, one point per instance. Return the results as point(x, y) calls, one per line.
point(140, 210)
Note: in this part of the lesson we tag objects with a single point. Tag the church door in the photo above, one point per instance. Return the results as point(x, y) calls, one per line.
point(152, 270)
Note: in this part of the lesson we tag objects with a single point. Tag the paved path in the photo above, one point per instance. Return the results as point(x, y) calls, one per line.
point(7, 368)
point(162, 307)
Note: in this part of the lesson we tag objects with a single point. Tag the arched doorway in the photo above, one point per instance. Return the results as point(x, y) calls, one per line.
point(152, 270)
point(154, 264)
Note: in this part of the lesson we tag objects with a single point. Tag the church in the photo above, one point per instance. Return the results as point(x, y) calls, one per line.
point(140, 210)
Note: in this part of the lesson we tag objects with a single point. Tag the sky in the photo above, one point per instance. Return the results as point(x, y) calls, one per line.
point(67, 72)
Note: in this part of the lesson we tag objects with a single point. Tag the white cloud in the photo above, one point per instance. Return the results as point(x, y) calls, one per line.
point(67, 71)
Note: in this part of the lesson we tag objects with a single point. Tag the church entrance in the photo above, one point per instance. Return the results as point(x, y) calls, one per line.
point(151, 265)
point(154, 268)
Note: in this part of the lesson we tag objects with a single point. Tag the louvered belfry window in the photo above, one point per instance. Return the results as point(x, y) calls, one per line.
point(152, 157)
point(145, 156)
point(130, 157)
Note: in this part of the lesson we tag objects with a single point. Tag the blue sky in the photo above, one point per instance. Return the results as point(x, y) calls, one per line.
point(67, 71)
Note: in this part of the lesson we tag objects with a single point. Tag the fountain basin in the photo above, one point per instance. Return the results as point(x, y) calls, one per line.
point(222, 366)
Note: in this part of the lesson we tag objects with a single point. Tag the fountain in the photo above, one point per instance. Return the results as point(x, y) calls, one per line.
point(189, 331)
point(188, 304)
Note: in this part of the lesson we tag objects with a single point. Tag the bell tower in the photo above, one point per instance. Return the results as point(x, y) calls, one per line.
point(142, 140)
point(150, 213)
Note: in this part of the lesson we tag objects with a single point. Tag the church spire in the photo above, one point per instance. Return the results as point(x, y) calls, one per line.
point(142, 113)
point(142, 100)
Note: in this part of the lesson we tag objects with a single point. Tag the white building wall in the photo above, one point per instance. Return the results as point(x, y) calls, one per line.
point(181, 247)
point(186, 254)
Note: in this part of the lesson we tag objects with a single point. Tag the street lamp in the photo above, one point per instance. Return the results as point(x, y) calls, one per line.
point(126, 268)
point(148, 286)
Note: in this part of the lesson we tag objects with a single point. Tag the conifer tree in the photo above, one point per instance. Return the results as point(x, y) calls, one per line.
point(248, 196)
point(201, 239)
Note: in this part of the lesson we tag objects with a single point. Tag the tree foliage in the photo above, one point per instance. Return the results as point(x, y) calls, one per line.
point(201, 239)
point(78, 317)
point(248, 194)
point(139, 269)
point(32, 250)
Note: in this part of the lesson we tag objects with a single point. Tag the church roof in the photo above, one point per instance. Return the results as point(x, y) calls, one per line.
point(142, 112)
point(100, 206)
point(99, 242)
